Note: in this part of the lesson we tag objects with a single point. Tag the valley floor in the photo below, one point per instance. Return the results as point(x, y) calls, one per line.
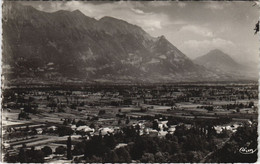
point(183, 123)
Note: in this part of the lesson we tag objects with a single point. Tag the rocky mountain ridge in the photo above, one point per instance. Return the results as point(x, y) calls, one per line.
point(70, 45)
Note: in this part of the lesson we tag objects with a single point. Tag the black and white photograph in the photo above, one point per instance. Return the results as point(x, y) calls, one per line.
point(129, 81)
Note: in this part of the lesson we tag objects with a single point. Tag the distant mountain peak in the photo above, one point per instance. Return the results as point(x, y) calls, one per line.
point(216, 51)
point(117, 21)
point(219, 55)
point(162, 37)
point(219, 61)
point(61, 12)
point(78, 12)
point(215, 55)
point(75, 13)
point(112, 20)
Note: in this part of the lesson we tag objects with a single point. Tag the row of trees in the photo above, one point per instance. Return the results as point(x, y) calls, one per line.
point(185, 145)
point(31, 155)
point(238, 105)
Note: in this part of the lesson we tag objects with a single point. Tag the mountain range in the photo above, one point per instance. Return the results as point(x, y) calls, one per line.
point(68, 45)
point(220, 62)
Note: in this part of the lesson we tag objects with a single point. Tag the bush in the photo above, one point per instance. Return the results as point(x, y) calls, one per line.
point(80, 123)
point(147, 158)
point(36, 156)
point(23, 115)
point(79, 149)
point(101, 112)
point(60, 150)
point(46, 150)
point(63, 131)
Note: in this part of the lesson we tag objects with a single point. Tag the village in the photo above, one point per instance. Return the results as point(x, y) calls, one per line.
point(44, 119)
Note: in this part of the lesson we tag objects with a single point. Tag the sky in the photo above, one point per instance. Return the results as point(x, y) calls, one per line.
point(193, 27)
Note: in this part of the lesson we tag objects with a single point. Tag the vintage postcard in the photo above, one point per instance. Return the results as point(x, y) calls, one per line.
point(129, 81)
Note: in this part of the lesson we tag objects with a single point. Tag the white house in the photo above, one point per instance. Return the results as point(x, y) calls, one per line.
point(39, 130)
point(104, 131)
point(85, 129)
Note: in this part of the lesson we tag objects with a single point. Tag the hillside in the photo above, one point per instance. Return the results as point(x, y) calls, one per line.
point(220, 62)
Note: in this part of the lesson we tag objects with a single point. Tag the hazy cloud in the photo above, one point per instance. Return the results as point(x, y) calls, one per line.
point(181, 4)
point(197, 29)
point(216, 42)
point(158, 3)
point(204, 46)
point(127, 11)
point(138, 11)
point(214, 6)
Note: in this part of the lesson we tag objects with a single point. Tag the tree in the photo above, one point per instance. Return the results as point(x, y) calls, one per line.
point(119, 122)
point(194, 156)
point(46, 150)
point(80, 123)
point(256, 27)
point(101, 112)
point(238, 110)
point(63, 130)
point(36, 156)
point(10, 159)
point(123, 155)
point(112, 157)
point(77, 160)
point(22, 157)
point(159, 157)
point(95, 146)
point(92, 125)
point(79, 148)
point(94, 159)
point(175, 148)
point(155, 125)
point(148, 158)
point(138, 148)
point(251, 103)
point(65, 122)
point(180, 131)
point(22, 114)
point(127, 121)
point(60, 150)
point(69, 156)
point(110, 141)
